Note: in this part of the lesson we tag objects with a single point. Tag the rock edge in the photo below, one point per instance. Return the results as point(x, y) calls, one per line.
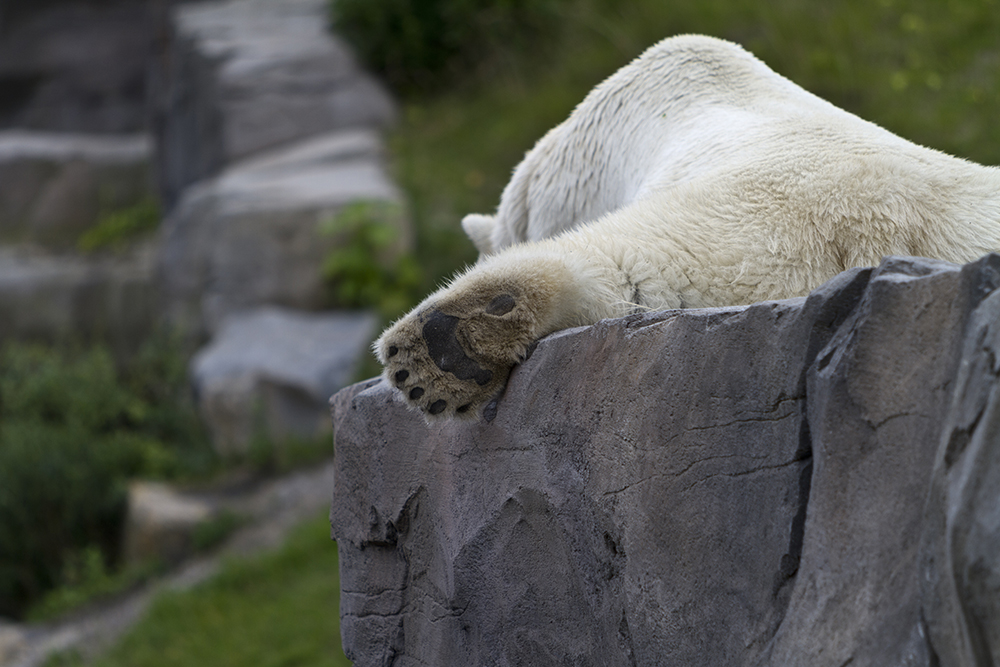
point(804, 482)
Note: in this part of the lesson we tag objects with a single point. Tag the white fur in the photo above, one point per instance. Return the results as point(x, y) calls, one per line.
point(737, 148)
point(696, 176)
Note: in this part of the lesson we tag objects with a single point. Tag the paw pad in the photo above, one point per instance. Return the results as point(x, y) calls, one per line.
point(501, 305)
point(448, 361)
point(446, 352)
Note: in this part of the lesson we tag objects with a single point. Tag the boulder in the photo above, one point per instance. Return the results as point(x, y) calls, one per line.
point(75, 65)
point(274, 370)
point(13, 643)
point(237, 77)
point(252, 235)
point(55, 186)
point(160, 523)
point(63, 297)
point(803, 482)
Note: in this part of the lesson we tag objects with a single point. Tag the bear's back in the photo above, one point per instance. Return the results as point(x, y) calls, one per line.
point(673, 112)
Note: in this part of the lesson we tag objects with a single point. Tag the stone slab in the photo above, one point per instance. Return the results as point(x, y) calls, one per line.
point(58, 297)
point(75, 66)
point(252, 236)
point(744, 486)
point(275, 370)
point(242, 76)
point(160, 523)
point(55, 186)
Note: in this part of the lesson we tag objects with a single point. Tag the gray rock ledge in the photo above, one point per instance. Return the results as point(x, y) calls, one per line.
point(805, 482)
point(60, 297)
point(55, 186)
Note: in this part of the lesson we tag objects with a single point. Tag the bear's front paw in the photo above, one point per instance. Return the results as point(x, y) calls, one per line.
point(450, 356)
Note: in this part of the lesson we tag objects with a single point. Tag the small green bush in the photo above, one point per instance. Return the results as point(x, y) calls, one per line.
point(61, 491)
point(73, 430)
point(267, 458)
point(114, 230)
point(86, 576)
point(421, 44)
point(369, 267)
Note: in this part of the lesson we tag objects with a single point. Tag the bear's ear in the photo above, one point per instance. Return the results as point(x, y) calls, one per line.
point(479, 228)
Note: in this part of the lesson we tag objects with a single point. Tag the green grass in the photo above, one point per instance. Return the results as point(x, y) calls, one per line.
point(87, 579)
point(116, 229)
point(276, 610)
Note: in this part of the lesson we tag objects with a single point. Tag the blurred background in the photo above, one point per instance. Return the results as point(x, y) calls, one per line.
point(209, 209)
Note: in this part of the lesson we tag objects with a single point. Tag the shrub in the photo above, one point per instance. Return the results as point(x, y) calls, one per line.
point(116, 229)
point(369, 268)
point(85, 577)
point(73, 430)
point(61, 491)
point(427, 43)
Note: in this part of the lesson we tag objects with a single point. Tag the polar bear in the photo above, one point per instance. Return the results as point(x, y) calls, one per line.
point(694, 176)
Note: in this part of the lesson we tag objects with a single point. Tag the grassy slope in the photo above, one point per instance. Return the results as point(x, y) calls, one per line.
point(277, 610)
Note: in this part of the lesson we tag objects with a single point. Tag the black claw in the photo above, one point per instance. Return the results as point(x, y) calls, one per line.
point(416, 393)
point(393, 350)
point(437, 407)
point(463, 408)
point(401, 376)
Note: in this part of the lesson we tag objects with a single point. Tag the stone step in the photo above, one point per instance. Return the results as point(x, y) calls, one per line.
point(273, 370)
point(252, 235)
point(56, 186)
point(238, 77)
point(60, 297)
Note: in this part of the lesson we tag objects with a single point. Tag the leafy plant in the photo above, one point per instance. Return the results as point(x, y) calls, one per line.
point(86, 577)
point(73, 430)
point(369, 267)
point(114, 230)
point(267, 457)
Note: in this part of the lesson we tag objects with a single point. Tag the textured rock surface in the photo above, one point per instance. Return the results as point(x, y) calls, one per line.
point(961, 550)
point(53, 187)
point(744, 486)
point(252, 235)
point(241, 76)
point(275, 369)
